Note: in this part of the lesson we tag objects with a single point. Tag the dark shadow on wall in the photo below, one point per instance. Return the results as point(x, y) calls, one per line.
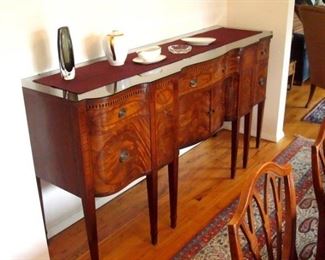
point(40, 47)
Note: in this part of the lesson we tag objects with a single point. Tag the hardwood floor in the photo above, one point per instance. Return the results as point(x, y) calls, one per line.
point(204, 189)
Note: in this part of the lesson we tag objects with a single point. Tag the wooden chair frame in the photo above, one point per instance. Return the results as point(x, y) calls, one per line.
point(278, 181)
point(318, 168)
point(313, 18)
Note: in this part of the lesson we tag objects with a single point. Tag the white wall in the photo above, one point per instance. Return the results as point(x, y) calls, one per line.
point(277, 16)
point(21, 227)
point(28, 46)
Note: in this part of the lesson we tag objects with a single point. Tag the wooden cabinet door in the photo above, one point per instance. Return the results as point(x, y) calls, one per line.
point(247, 79)
point(217, 106)
point(119, 139)
point(194, 117)
point(165, 119)
point(259, 90)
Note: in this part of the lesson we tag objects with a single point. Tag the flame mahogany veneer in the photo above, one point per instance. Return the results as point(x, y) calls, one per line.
point(95, 147)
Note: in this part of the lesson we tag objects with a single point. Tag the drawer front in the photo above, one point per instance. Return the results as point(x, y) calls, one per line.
point(263, 49)
point(122, 106)
point(119, 147)
point(201, 75)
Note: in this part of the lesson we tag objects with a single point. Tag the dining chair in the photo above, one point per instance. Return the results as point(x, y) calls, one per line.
point(318, 171)
point(264, 223)
point(313, 20)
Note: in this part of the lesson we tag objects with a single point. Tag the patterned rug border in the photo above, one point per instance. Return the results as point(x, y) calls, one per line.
point(202, 238)
point(308, 118)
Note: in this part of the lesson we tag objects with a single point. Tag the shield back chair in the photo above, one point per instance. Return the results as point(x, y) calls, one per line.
point(266, 211)
point(313, 20)
point(318, 168)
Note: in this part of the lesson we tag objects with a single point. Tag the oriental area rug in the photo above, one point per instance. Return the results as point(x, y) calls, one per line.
point(317, 113)
point(212, 242)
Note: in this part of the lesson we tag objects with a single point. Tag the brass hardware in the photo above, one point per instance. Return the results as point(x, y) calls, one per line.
point(262, 81)
point(193, 83)
point(124, 156)
point(122, 112)
point(211, 111)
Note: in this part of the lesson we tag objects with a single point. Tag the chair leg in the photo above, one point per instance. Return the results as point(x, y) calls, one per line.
point(321, 232)
point(311, 93)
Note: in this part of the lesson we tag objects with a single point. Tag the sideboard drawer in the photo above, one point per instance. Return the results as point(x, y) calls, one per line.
point(124, 105)
point(201, 75)
point(119, 144)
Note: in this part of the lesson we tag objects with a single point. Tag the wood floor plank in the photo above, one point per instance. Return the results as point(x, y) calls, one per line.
point(204, 190)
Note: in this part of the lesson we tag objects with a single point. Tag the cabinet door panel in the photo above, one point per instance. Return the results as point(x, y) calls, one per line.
point(217, 106)
point(247, 79)
point(231, 96)
point(194, 118)
point(260, 84)
point(166, 118)
point(263, 50)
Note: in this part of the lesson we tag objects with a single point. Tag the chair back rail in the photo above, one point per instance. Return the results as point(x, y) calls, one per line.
point(266, 211)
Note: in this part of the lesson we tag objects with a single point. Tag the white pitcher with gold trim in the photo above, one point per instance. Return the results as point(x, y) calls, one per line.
point(117, 48)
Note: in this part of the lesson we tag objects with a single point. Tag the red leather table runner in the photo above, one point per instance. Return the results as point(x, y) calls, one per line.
point(98, 74)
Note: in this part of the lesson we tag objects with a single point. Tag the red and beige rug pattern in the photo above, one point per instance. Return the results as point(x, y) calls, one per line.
point(316, 114)
point(212, 242)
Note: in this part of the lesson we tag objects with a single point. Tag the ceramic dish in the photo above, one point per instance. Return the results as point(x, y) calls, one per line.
point(199, 40)
point(142, 61)
point(149, 53)
point(179, 48)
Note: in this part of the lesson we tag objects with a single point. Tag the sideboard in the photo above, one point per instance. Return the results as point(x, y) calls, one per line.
point(94, 135)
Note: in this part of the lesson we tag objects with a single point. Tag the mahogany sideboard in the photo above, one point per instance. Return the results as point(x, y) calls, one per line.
point(95, 134)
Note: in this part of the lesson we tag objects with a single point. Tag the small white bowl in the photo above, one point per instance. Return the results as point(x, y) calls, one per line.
point(150, 53)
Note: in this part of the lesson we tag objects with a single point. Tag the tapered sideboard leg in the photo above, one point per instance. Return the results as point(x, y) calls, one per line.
point(247, 135)
point(173, 189)
point(234, 145)
point(88, 203)
point(39, 188)
point(260, 112)
point(152, 190)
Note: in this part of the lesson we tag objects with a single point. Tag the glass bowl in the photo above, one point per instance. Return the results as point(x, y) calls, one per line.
point(179, 48)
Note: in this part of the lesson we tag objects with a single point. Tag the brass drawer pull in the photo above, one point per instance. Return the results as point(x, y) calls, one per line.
point(262, 81)
point(124, 156)
point(122, 112)
point(193, 83)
